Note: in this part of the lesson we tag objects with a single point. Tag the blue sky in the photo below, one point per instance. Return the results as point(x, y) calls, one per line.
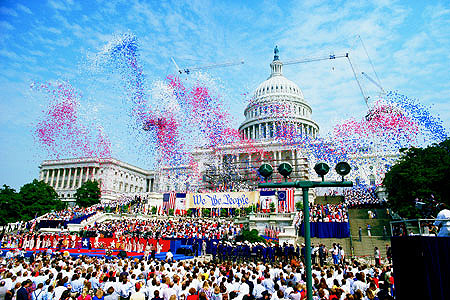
point(407, 41)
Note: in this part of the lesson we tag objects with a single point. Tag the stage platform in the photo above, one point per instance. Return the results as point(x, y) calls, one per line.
point(98, 253)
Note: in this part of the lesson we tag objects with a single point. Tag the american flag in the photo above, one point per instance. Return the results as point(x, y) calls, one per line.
point(33, 225)
point(286, 200)
point(169, 201)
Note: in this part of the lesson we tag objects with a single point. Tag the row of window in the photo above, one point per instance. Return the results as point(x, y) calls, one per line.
point(278, 109)
point(132, 178)
point(276, 129)
point(126, 188)
point(275, 88)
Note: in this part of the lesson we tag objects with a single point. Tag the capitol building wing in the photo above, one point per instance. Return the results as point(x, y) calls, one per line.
point(115, 177)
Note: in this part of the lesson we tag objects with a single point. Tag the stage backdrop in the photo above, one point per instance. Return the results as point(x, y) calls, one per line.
point(328, 230)
point(221, 200)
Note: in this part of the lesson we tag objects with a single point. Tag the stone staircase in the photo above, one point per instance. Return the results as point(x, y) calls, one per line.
point(352, 246)
point(360, 218)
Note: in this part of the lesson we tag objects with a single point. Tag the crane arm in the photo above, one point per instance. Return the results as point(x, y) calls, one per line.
point(373, 81)
point(176, 66)
point(359, 84)
point(306, 60)
point(212, 66)
point(332, 56)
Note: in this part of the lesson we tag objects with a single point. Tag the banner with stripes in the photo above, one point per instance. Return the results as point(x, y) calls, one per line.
point(169, 201)
point(286, 201)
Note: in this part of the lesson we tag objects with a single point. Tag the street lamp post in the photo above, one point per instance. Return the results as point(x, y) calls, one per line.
point(285, 169)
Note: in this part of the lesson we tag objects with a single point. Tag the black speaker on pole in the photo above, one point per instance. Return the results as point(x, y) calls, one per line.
point(421, 267)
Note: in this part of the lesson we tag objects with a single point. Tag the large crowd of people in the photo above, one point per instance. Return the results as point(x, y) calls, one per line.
point(362, 197)
point(237, 270)
point(328, 213)
point(44, 277)
point(165, 228)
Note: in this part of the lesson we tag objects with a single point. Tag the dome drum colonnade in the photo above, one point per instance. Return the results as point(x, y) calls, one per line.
point(278, 108)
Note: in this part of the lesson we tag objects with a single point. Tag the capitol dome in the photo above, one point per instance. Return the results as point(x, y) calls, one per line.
point(277, 107)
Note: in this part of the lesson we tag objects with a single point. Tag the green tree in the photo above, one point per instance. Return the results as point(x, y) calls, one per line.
point(154, 210)
point(419, 174)
point(10, 205)
point(299, 205)
point(38, 198)
point(88, 194)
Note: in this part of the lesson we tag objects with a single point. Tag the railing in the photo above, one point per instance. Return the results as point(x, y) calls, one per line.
point(421, 227)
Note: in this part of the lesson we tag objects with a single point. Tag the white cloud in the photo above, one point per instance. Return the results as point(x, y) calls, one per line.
point(9, 54)
point(65, 5)
point(24, 9)
point(6, 26)
point(8, 11)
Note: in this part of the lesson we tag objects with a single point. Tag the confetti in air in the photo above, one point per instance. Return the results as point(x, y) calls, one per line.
point(179, 115)
point(61, 132)
point(121, 55)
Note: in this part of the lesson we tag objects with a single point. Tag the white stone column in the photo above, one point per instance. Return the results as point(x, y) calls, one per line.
point(46, 175)
point(53, 177)
point(75, 171)
point(63, 181)
point(41, 175)
point(80, 181)
point(69, 176)
point(57, 179)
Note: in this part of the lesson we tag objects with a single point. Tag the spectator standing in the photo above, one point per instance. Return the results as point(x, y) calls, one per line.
point(22, 293)
point(138, 295)
point(360, 233)
point(169, 256)
point(377, 257)
point(389, 253)
point(3, 290)
point(368, 230)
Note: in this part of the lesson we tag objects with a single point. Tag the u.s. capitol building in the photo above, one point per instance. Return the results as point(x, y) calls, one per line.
point(277, 109)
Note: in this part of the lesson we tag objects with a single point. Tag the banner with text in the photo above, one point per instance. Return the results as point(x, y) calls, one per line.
point(221, 200)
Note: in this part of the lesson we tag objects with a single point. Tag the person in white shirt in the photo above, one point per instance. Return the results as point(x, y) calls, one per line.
point(359, 284)
point(38, 294)
point(138, 295)
point(169, 256)
point(244, 288)
point(269, 284)
point(169, 291)
point(59, 290)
